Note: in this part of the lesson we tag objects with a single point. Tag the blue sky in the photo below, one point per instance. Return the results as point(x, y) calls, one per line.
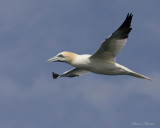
point(34, 31)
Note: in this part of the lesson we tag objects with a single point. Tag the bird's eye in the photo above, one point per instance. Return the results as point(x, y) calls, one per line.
point(60, 55)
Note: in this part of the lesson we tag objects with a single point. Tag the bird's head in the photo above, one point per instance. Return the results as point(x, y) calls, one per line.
point(67, 57)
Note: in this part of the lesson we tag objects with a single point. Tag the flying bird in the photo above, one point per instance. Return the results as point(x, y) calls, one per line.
point(103, 61)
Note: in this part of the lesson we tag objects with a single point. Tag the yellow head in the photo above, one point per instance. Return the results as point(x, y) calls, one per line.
point(67, 57)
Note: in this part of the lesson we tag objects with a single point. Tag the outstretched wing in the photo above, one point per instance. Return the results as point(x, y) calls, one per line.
point(113, 45)
point(71, 73)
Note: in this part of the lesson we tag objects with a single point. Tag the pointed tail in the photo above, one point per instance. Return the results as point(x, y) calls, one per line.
point(140, 76)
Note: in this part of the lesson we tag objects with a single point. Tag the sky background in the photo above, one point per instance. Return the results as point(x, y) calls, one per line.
point(32, 31)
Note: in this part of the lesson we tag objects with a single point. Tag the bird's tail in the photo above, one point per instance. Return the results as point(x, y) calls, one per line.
point(140, 76)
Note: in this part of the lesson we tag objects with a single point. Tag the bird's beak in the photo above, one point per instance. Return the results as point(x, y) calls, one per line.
point(54, 59)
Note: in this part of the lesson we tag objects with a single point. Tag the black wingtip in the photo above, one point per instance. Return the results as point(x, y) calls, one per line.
point(123, 31)
point(54, 75)
point(127, 22)
point(129, 15)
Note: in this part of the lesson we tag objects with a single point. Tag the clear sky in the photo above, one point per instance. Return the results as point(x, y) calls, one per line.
point(32, 31)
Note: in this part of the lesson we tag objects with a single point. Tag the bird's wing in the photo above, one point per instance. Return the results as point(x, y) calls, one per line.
point(114, 43)
point(71, 73)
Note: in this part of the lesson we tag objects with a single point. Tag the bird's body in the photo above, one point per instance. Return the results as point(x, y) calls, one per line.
point(103, 61)
point(97, 66)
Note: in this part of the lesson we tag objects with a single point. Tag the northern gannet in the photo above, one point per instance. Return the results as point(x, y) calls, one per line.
point(103, 61)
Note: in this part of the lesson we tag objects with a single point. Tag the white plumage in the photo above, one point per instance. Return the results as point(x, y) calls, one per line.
point(103, 61)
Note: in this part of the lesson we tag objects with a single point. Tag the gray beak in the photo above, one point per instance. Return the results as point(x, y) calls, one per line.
point(54, 59)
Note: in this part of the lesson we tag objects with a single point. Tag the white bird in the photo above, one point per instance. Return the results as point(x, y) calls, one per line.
point(103, 61)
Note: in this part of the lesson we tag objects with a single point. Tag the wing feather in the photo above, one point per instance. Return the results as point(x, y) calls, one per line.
point(114, 43)
point(74, 72)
